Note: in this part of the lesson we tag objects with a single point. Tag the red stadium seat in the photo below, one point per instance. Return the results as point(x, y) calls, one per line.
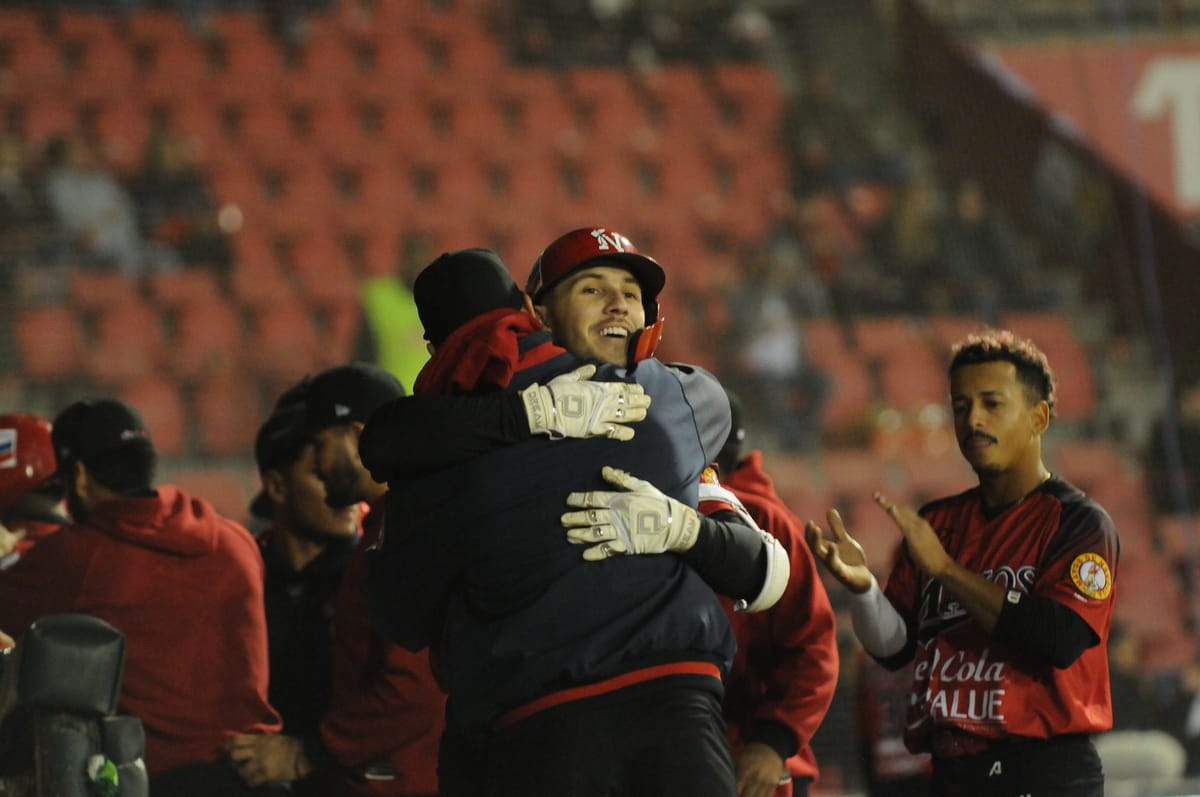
point(229, 490)
point(251, 67)
point(1086, 462)
point(929, 476)
point(684, 100)
point(122, 126)
point(177, 65)
point(307, 197)
point(337, 133)
point(947, 330)
point(401, 62)
point(911, 379)
point(106, 65)
point(322, 268)
point(34, 63)
point(228, 408)
point(327, 62)
point(852, 471)
point(158, 400)
point(48, 115)
point(184, 286)
point(610, 111)
point(283, 343)
point(266, 135)
point(260, 279)
point(208, 338)
point(49, 343)
point(1077, 392)
point(128, 343)
point(1177, 535)
point(755, 97)
point(93, 290)
point(852, 396)
point(877, 337)
point(799, 484)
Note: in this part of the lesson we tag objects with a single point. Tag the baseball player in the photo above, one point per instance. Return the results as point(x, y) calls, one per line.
point(1002, 595)
point(306, 546)
point(559, 679)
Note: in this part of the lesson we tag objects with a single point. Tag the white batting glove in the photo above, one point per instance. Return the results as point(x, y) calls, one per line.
point(640, 519)
point(570, 406)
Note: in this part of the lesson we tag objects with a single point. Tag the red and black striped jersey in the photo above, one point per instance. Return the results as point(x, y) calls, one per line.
point(1056, 543)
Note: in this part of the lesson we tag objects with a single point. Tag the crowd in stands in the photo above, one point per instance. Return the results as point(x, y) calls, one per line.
point(869, 224)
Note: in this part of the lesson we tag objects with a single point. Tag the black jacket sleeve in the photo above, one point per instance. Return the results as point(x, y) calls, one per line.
point(1045, 629)
point(729, 555)
point(418, 435)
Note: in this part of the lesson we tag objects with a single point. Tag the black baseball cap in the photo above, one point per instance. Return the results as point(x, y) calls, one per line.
point(92, 428)
point(459, 286)
point(279, 443)
point(347, 393)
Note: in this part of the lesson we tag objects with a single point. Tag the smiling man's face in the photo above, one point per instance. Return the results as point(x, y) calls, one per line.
point(593, 312)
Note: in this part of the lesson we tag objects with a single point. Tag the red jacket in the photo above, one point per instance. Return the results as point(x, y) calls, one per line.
point(787, 660)
point(185, 586)
point(386, 711)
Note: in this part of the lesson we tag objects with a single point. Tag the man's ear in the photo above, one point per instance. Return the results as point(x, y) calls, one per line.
point(81, 482)
point(275, 486)
point(429, 347)
point(1041, 416)
point(541, 312)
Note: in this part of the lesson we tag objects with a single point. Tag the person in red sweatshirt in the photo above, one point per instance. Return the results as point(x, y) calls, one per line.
point(183, 584)
point(31, 504)
point(786, 668)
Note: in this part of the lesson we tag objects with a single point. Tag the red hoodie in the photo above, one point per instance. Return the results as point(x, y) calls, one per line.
point(787, 660)
point(185, 587)
point(386, 712)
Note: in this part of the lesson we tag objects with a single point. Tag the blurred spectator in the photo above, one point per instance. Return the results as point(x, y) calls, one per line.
point(174, 205)
point(23, 215)
point(1136, 747)
point(907, 245)
point(1163, 474)
point(25, 223)
point(93, 211)
point(828, 144)
point(779, 382)
point(987, 267)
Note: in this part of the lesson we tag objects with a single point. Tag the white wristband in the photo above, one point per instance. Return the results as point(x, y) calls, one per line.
point(877, 624)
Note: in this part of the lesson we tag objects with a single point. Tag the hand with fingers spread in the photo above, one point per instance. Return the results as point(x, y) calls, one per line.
point(842, 555)
point(923, 544)
point(638, 519)
point(572, 406)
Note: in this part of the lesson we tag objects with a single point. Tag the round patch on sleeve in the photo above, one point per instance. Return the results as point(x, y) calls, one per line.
point(1091, 575)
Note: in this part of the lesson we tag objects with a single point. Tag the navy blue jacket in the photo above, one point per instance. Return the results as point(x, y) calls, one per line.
point(476, 562)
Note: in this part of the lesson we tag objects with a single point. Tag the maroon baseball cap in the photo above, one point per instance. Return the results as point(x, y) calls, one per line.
point(589, 246)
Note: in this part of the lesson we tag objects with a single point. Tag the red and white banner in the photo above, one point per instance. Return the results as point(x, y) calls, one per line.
point(1136, 102)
